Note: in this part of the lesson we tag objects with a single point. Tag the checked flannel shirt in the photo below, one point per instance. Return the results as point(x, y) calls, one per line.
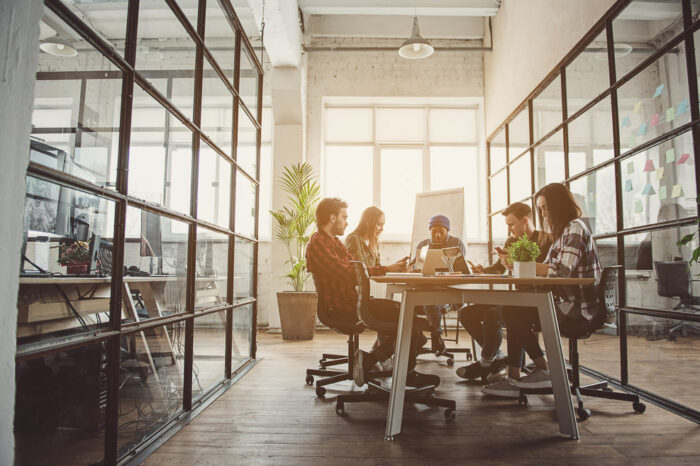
point(574, 255)
point(328, 260)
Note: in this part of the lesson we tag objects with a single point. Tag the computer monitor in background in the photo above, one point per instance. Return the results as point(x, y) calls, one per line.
point(151, 241)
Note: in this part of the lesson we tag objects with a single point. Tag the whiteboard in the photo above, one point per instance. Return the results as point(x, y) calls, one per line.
point(449, 202)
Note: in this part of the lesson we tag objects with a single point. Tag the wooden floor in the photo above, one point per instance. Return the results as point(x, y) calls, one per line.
point(272, 417)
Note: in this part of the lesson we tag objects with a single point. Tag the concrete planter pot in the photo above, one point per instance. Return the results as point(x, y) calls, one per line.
point(297, 314)
point(524, 269)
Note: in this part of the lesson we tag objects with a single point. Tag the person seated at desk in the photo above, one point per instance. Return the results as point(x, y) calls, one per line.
point(484, 322)
point(439, 226)
point(329, 263)
point(572, 255)
point(363, 244)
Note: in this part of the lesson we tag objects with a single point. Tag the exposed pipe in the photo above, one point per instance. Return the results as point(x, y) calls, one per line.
point(391, 49)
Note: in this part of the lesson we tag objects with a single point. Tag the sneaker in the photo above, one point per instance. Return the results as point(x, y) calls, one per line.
point(497, 374)
point(437, 344)
point(472, 371)
point(363, 363)
point(538, 379)
point(416, 379)
point(499, 358)
point(386, 365)
point(503, 388)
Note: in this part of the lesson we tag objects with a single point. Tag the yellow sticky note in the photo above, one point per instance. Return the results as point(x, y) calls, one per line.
point(659, 173)
point(677, 191)
point(637, 106)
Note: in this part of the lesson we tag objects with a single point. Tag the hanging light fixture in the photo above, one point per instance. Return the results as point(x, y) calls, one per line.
point(59, 47)
point(416, 47)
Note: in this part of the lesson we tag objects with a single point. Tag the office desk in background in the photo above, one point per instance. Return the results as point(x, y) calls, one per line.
point(420, 291)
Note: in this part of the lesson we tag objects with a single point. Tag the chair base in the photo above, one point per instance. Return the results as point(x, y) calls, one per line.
point(596, 390)
point(421, 395)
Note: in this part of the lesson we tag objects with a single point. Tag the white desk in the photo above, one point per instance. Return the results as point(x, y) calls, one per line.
point(420, 291)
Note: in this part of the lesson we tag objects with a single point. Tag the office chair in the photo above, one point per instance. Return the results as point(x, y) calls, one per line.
point(584, 329)
point(352, 330)
point(673, 281)
point(422, 395)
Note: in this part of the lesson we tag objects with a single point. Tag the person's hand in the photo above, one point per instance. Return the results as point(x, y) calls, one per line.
point(478, 268)
point(399, 266)
point(504, 260)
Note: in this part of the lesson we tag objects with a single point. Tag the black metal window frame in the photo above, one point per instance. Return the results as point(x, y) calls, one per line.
point(111, 335)
point(605, 25)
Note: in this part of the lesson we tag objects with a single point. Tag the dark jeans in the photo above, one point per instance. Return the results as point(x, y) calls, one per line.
point(388, 311)
point(433, 313)
point(523, 323)
point(484, 323)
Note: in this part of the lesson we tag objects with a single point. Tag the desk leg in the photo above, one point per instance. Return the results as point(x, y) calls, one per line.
point(398, 379)
point(557, 367)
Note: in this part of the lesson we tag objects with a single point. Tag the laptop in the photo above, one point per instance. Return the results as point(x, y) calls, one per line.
point(430, 259)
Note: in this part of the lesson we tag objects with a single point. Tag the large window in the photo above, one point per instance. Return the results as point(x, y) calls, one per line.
point(384, 154)
point(615, 124)
point(141, 212)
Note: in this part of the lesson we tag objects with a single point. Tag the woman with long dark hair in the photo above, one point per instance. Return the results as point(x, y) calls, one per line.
point(572, 255)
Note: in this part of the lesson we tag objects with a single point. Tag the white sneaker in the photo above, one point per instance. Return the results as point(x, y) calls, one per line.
point(496, 376)
point(503, 388)
point(538, 379)
point(500, 355)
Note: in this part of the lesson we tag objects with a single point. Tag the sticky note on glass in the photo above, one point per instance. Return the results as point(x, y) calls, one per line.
point(670, 114)
point(671, 155)
point(630, 168)
point(637, 106)
point(677, 191)
point(658, 91)
point(654, 120)
point(638, 207)
point(649, 166)
point(659, 173)
point(626, 122)
point(628, 186)
point(633, 141)
point(683, 158)
point(662, 192)
point(642, 130)
point(648, 190)
point(682, 107)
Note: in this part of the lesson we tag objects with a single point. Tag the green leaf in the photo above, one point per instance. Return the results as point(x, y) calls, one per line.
point(686, 239)
point(523, 250)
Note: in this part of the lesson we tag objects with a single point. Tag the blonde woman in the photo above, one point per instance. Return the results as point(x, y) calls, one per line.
point(363, 242)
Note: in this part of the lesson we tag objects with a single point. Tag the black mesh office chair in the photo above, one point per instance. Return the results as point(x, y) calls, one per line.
point(584, 329)
point(352, 330)
point(422, 395)
point(673, 281)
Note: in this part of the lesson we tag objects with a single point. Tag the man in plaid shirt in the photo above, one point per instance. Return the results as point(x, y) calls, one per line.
point(328, 260)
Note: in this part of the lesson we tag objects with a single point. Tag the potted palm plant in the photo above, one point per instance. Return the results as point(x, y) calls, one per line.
point(522, 253)
point(293, 228)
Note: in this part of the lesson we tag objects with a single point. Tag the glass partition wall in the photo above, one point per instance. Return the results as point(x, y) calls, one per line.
point(138, 279)
point(618, 121)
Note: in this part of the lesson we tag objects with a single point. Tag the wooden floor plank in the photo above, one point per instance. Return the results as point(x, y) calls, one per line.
point(272, 417)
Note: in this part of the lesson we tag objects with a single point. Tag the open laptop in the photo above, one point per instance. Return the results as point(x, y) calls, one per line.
point(430, 259)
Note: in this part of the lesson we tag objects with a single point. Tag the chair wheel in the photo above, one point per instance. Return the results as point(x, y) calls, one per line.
point(340, 409)
point(639, 407)
point(450, 362)
point(320, 391)
point(450, 414)
point(309, 380)
point(583, 413)
point(522, 399)
point(468, 355)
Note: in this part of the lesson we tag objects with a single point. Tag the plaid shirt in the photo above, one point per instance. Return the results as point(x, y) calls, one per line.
point(574, 255)
point(334, 276)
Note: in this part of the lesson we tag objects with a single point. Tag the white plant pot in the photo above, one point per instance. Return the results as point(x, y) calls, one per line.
point(524, 269)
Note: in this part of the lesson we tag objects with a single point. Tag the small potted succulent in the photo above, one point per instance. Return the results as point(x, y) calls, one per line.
point(522, 253)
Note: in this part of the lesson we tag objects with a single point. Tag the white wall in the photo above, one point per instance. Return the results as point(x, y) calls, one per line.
point(359, 74)
point(19, 23)
point(529, 39)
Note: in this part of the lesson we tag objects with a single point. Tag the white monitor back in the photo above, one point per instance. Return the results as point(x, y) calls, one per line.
point(449, 202)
